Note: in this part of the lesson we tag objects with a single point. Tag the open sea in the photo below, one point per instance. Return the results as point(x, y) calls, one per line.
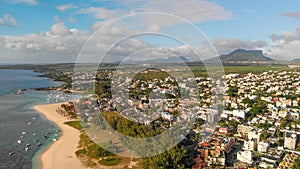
point(20, 125)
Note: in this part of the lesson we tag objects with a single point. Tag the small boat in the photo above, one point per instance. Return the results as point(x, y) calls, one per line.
point(54, 139)
point(33, 118)
point(27, 148)
point(21, 136)
point(39, 144)
point(46, 137)
point(34, 134)
point(23, 132)
point(11, 153)
point(19, 141)
point(29, 123)
point(27, 145)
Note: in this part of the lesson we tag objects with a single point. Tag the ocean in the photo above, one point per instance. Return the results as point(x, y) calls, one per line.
point(20, 125)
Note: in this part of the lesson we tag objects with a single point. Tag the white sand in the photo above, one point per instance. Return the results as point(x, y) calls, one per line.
point(61, 154)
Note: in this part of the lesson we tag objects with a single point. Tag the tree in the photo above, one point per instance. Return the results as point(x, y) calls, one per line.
point(296, 164)
point(264, 135)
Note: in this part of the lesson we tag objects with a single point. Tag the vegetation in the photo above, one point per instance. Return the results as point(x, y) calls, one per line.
point(171, 159)
point(296, 164)
point(110, 161)
point(93, 150)
point(74, 124)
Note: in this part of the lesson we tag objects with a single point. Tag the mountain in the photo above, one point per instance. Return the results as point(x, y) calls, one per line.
point(245, 55)
point(241, 55)
point(296, 60)
point(172, 59)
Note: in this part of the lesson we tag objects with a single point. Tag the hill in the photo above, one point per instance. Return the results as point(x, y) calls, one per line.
point(296, 60)
point(241, 55)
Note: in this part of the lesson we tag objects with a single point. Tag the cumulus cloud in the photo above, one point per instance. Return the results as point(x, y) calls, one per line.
point(61, 44)
point(285, 46)
point(99, 12)
point(225, 46)
point(8, 20)
point(65, 7)
point(59, 29)
point(192, 10)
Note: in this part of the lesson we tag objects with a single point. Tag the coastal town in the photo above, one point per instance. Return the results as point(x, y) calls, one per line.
point(258, 126)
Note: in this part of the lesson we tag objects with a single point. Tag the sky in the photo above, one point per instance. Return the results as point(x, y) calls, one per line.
point(35, 31)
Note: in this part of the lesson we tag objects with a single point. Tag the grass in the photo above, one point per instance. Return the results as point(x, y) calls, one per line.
point(74, 124)
point(81, 152)
point(110, 161)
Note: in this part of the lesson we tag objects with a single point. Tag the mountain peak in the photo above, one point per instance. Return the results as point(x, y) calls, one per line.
point(245, 55)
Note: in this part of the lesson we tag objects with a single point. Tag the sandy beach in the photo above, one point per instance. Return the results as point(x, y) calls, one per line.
point(61, 154)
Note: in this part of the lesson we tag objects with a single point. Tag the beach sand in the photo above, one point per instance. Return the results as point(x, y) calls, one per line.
point(61, 154)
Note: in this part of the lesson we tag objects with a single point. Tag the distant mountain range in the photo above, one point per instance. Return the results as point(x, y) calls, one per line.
point(296, 60)
point(241, 55)
point(238, 56)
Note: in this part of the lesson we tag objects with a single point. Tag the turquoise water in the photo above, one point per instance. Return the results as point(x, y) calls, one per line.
point(18, 121)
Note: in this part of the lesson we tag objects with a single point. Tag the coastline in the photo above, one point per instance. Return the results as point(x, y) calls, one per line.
point(61, 153)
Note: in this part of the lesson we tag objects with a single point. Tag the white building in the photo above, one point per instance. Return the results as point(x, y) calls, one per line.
point(245, 156)
point(251, 144)
point(290, 140)
point(263, 147)
point(239, 113)
point(255, 134)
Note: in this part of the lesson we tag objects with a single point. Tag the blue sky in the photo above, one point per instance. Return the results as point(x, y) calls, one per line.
point(228, 24)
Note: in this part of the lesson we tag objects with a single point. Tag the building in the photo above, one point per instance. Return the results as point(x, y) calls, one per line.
point(245, 156)
point(263, 147)
point(290, 140)
point(255, 134)
point(244, 130)
point(251, 144)
point(239, 113)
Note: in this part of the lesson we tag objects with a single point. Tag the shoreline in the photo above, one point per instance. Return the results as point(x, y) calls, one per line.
point(61, 153)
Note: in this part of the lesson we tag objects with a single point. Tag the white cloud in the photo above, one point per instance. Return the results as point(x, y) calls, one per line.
point(59, 29)
point(192, 10)
point(65, 7)
point(57, 19)
point(285, 46)
point(8, 20)
point(153, 28)
point(72, 19)
point(195, 11)
point(61, 44)
point(99, 12)
point(28, 2)
point(225, 46)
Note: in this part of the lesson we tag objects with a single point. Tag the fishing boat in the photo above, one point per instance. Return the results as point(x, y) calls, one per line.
point(11, 153)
